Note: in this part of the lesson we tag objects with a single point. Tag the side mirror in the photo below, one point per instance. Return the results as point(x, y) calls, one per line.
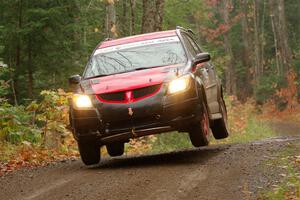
point(74, 80)
point(200, 58)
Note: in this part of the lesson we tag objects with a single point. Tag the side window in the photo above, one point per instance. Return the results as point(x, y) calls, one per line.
point(189, 45)
point(195, 46)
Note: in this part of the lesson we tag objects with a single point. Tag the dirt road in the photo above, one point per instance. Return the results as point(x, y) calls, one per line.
point(214, 172)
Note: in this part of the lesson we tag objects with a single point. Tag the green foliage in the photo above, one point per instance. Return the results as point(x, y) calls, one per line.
point(267, 86)
point(17, 124)
point(180, 13)
point(34, 122)
point(170, 142)
point(1, 40)
point(4, 85)
point(40, 37)
point(52, 111)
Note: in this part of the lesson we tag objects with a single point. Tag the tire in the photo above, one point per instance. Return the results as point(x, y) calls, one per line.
point(115, 149)
point(199, 133)
point(220, 127)
point(89, 152)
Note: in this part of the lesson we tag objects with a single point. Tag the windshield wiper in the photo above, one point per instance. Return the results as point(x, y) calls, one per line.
point(102, 75)
point(97, 76)
point(142, 68)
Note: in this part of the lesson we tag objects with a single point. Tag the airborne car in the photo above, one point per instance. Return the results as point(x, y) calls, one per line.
point(142, 85)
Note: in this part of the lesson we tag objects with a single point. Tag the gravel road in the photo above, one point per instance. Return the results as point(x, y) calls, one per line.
point(214, 172)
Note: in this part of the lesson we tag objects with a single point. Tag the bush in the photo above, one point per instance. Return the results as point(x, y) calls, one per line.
point(266, 87)
point(296, 64)
point(17, 124)
point(53, 111)
point(4, 85)
point(38, 122)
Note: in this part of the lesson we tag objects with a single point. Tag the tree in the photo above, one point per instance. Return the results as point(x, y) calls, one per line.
point(37, 43)
point(258, 68)
point(247, 46)
point(283, 35)
point(153, 12)
point(230, 74)
point(280, 34)
point(132, 21)
point(111, 25)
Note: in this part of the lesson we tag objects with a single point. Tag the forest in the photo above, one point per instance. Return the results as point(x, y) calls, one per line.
point(254, 44)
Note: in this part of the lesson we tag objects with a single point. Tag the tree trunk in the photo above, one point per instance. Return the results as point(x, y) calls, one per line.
point(18, 50)
point(257, 43)
point(247, 61)
point(30, 71)
point(262, 38)
point(111, 26)
point(148, 20)
point(132, 21)
point(283, 35)
point(160, 4)
point(153, 13)
point(81, 37)
point(230, 76)
point(274, 23)
point(123, 27)
point(13, 87)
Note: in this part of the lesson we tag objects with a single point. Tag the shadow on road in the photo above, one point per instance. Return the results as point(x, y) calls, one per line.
point(182, 157)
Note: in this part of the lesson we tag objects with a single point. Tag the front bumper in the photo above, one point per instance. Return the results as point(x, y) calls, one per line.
point(156, 114)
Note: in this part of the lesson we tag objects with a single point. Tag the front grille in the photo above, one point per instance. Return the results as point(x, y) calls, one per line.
point(141, 92)
point(137, 94)
point(116, 96)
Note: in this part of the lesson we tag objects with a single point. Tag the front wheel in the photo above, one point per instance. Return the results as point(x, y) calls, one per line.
point(220, 127)
point(199, 132)
point(89, 152)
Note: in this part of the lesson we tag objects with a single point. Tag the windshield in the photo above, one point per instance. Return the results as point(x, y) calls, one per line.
point(136, 56)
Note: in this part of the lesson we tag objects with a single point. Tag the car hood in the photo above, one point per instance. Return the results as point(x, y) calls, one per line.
point(130, 80)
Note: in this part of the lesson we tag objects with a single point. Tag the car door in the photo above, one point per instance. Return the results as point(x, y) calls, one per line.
point(208, 76)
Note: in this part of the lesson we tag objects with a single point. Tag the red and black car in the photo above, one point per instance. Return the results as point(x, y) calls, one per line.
point(146, 84)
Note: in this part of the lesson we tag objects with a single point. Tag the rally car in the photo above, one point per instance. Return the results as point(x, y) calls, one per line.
point(142, 85)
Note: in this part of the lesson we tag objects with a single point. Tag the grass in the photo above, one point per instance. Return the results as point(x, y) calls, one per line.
point(254, 130)
point(288, 187)
point(170, 142)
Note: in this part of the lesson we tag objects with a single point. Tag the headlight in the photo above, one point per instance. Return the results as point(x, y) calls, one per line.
point(179, 85)
point(82, 101)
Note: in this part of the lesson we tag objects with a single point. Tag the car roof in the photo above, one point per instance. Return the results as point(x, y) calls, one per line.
point(137, 38)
